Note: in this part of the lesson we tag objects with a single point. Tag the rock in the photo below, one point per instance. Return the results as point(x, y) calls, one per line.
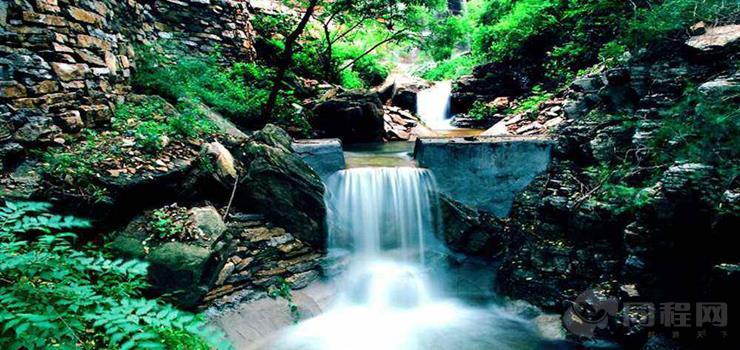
point(352, 117)
point(406, 91)
point(500, 103)
point(233, 137)
point(661, 342)
point(184, 270)
point(698, 29)
point(719, 89)
point(285, 188)
point(325, 156)
point(69, 72)
point(37, 129)
point(223, 162)
point(498, 129)
point(274, 136)
point(71, 121)
point(207, 221)
point(724, 281)
point(470, 232)
point(10, 151)
point(716, 38)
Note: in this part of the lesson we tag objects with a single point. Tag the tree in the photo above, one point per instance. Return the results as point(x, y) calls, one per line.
point(286, 60)
point(338, 20)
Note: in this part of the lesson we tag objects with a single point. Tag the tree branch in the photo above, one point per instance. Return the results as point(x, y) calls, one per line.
point(394, 36)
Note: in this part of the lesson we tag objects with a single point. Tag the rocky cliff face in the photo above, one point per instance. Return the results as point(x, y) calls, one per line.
point(670, 243)
point(65, 63)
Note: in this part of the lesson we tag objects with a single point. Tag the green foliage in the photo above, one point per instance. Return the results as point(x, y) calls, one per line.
point(282, 289)
point(150, 121)
point(481, 110)
point(164, 226)
point(77, 165)
point(531, 103)
point(237, 91)
point(701, 128)
point(54, 295)
point(507, 33)
point(563, 37)
point(450, 69)
point(611, 190)
point(672, 17)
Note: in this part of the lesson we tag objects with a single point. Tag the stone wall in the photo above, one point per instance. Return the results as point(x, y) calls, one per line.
point(484, 173)
point(65, 63)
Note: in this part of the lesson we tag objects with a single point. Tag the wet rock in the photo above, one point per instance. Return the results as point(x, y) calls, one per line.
point(468, 231)
point(406, 92)
point(352, 116)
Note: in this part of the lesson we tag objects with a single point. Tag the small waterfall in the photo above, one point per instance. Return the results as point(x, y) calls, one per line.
point(387, 219)
point(377, 210)
point(433, 106)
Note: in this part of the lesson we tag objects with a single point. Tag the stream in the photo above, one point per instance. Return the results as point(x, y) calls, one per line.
point(402, 289)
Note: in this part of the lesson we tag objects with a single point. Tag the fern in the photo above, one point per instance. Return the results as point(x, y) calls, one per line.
point(53, 294)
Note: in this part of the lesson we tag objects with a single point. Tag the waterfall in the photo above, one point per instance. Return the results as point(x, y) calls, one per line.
point(376, 210)
point(390, 296)
point(388, 219)
point(433, 106)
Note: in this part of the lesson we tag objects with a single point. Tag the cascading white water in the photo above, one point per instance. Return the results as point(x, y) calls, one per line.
point(433, 106)
point(375, 210)
point(388, 219)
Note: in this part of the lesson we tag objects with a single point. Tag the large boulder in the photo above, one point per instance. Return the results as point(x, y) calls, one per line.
point(716, 39)
point(279, 183)
point(406, 91)
point(186, 249)
point(355, 116)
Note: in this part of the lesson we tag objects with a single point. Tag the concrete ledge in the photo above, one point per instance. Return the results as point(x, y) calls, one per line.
point(484, 172)
point(325, 156)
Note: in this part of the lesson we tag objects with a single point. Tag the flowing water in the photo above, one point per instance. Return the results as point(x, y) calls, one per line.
point(433, 106)
point(394, 295)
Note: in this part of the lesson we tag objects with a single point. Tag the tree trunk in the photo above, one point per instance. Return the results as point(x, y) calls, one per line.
point(284, 64)
point(328, 68)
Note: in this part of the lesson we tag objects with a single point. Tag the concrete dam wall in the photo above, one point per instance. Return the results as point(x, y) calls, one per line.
point(484, 173)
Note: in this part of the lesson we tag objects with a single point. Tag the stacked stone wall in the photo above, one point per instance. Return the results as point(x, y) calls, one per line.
point(64, 64)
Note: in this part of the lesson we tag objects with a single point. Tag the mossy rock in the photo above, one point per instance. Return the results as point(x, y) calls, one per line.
point(181, 270)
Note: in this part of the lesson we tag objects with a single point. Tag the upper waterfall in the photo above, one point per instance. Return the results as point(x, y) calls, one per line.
point(433, 105)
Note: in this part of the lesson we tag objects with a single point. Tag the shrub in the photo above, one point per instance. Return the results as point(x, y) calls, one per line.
point(481, 110)
point(532, 102)
point(507, 33)
point(450, 69)
point(237, 91)
point(149, 121)
point(55, 295)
